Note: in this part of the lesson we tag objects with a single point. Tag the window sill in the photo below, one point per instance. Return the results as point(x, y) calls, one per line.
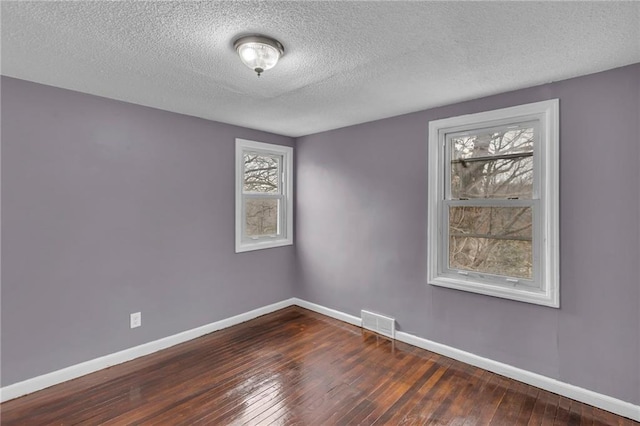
point(519, 293)
point(262, 244)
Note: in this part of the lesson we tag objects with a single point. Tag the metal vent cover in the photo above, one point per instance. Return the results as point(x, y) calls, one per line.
point(380, 324)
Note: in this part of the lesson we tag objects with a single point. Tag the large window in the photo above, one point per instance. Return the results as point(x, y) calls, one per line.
point(493, 203)
point(264, 196)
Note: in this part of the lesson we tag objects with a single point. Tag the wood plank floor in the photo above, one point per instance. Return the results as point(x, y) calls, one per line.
point(295, 367)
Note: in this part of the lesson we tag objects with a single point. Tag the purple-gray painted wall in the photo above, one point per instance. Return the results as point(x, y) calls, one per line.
point(361, 236)
point(110, 208)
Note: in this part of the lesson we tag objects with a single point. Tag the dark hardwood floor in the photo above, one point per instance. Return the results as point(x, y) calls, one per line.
point(295, 367)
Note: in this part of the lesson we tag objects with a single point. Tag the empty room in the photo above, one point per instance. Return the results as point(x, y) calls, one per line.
point(320, 213)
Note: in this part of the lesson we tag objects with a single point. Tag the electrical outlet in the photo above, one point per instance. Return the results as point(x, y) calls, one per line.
point(136, 319)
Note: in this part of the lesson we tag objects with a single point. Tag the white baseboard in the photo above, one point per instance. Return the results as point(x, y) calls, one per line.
point(351, 319)
point(599, 400)
point(46, 380)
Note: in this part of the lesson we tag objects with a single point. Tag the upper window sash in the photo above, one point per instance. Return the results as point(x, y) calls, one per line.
point(447, 139)
point(279, 174)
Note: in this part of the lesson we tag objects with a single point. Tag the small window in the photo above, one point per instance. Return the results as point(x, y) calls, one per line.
point(264, 201)
point(493, 203)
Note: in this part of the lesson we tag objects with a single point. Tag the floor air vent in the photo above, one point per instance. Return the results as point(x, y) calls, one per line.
point(379, 324)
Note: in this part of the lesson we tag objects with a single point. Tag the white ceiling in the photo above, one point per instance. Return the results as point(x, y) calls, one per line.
point(344, 63)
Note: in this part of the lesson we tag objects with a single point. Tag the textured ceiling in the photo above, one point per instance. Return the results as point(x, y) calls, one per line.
point(345, 62)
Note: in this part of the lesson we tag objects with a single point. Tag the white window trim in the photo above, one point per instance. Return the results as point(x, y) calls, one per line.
point(546, 222)
point(243, 244)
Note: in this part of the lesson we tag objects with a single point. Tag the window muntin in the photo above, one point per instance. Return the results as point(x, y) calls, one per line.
point(493, 207)
point(264, 206)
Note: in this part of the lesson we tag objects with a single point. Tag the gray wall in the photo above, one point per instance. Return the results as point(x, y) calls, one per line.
point(110, 208)
point(361, 212)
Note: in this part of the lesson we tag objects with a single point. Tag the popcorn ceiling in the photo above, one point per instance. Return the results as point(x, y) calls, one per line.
point(344, 63)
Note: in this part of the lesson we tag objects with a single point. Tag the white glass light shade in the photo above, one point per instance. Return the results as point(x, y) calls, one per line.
point(259, 53)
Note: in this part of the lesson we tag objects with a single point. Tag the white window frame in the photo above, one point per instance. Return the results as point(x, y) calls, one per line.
point(544, 288)
point(285, 224)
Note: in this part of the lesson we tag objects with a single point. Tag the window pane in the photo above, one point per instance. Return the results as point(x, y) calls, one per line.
point(499, 178)
point(493, 143)
point(261, 173)
point(261, 216)
point(493, 164)
point(493, 240)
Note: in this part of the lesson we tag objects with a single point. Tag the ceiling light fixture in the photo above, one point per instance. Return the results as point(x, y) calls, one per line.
point(258, 52)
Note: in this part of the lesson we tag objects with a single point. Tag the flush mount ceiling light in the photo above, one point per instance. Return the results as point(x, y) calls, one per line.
point(258, 52)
